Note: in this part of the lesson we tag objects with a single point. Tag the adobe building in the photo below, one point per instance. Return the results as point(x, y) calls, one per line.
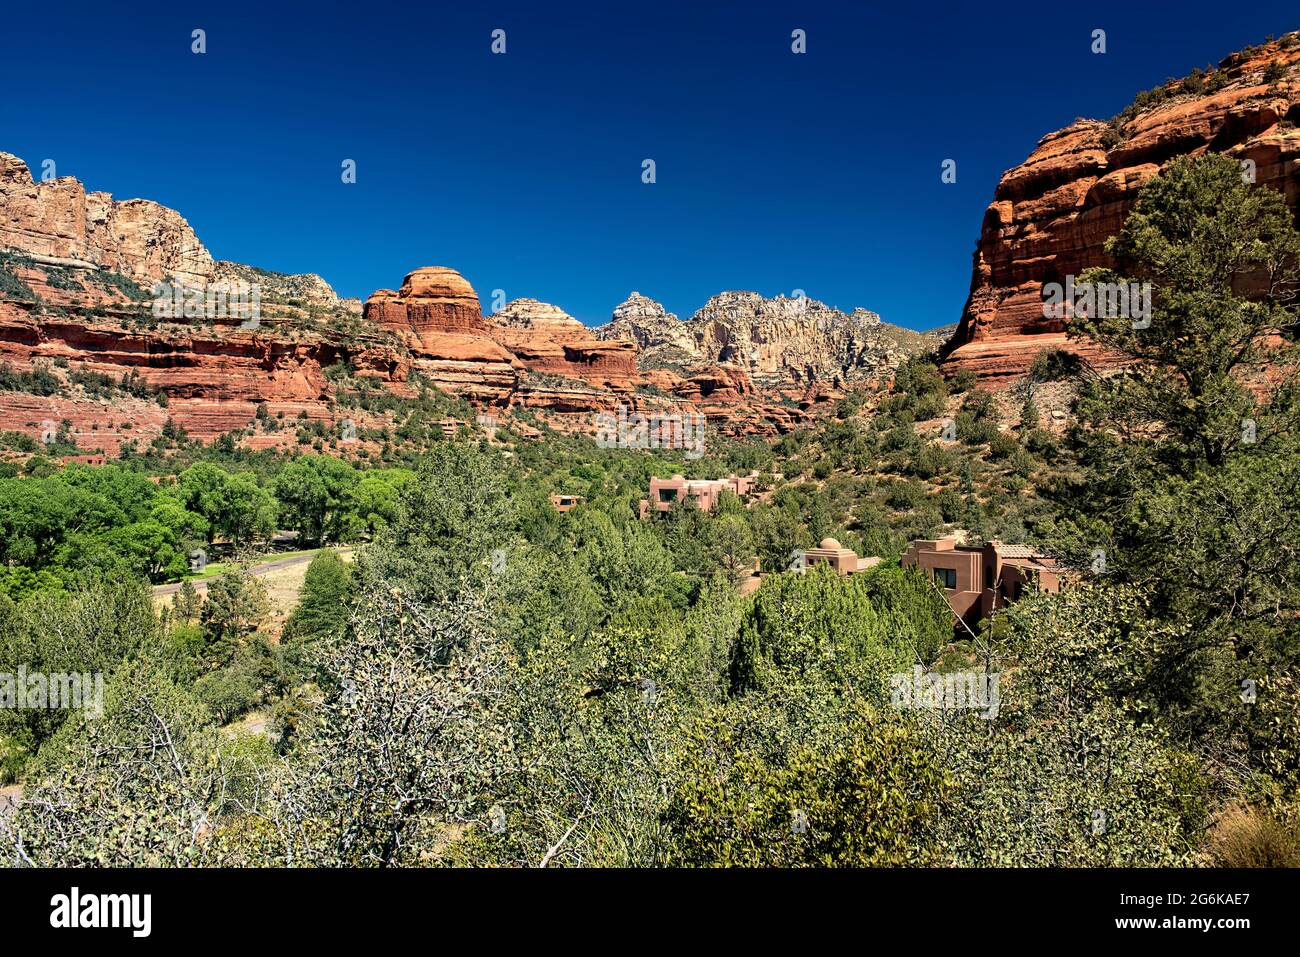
point(450, 428)
point(563, 503)
point(981, 580)
point(844, 561)
point(95, 459)
point(665, 493)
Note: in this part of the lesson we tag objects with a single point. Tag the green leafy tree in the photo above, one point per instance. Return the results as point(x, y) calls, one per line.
point(1223, 260)
point(1190, 458)
point(1030, 418)
point(86, 631)
point(203, 489)
point(455, 522)
point(817, 627)
point(185, 607)
point(145, 785)
point(1071, 771)
point(150, 549)
point(377, 497)
point(730, 546)
point(250, 511)
point(737, 807)
point(314, 492)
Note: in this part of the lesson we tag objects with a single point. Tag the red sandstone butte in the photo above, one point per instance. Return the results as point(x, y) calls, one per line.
point(433, 300)
point(437, 315)
point(1051, 215)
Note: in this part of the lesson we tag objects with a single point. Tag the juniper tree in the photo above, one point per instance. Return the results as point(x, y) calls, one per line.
point(1223, 260)
point(1190, 482)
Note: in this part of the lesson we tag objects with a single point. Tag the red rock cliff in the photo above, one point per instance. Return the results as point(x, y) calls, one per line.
point(547, 339)
point(1051, 215)
point(134, 237)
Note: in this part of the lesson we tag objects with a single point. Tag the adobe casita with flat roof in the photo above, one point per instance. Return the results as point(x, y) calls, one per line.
point(980, 580)
point(665, 493)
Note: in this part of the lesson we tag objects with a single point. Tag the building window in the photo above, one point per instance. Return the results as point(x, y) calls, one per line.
point(947, 577)
point(668, 495)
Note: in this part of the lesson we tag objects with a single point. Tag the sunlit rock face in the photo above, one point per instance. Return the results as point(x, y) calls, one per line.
point(1051, 215)
point(135, 237)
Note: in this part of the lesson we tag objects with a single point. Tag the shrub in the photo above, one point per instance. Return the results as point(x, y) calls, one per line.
point(736, 807)
point(974, 431)
point(951, 505)
point(11, 287)
point(905, 495)
point(981, 405)
point(227, 693)
point(1247, 837)
point(1002, 446)
point(1055, 365)
point(932, 460)
point(963, 381)
point(930, 407)
point(62, 279)
point(40, 381)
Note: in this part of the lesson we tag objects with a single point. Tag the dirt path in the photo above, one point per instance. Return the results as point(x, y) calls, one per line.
point(10, 796)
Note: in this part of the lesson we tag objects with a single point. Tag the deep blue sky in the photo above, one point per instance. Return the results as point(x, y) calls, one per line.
point(775, 171)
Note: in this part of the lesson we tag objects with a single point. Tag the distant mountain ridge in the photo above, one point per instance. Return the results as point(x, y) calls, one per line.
point(778, 341)
point(78, 271)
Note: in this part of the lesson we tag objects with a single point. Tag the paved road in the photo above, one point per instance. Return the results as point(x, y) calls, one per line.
point(202, 584)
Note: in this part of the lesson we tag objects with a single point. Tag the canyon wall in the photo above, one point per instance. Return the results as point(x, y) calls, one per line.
point(77, 270)
point(60, 222)
point(137, 238)
point(534, 355)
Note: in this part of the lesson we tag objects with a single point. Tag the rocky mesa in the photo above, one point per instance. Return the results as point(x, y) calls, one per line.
point(548, 340)
point(534, 355)
point(57, 222)
point(59, 219)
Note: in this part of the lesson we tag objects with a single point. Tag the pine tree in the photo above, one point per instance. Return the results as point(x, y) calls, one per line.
point(186, 604)
point(326, 599)
point(1029, 417)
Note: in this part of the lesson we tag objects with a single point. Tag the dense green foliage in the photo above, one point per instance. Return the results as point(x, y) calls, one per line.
point(78, 523)
point(493, 682)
